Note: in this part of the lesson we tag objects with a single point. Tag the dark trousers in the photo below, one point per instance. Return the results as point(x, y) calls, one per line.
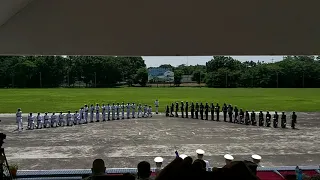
point(230, 117)
point(283, 124)
point(182, 115)
point(206, 115)
point(192, 114)
point(225, 116)
point(293, 124)
point(177, 114)
point(197, 112)
point(186, 113)
point(218, 114)
point(201, 114)
point(212, 115)
point(275, 123)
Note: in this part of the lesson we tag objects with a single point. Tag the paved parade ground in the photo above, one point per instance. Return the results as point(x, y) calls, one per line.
point(123, 143)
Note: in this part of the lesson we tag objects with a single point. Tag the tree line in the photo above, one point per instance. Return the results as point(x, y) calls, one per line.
point(109, 71)
point(69, 71)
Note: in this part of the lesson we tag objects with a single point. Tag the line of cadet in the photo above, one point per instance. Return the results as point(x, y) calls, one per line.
point(239, 116)
point(108, 112)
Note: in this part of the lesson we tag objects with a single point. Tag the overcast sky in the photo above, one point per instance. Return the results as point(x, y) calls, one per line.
point(154, 61)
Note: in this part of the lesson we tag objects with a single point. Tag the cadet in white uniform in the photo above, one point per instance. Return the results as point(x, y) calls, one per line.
point(128, 111)
point(19, 119)
point(97, 113)
point(76, 118)
point(200, 154)
point(39, 121)
point(46, 120)
point(91, 113)
point(156, 104)
point(150, 111)
point(54, 119)
point(61, 119)
point(133, 106)
point(228, 158)
point(256, 159)
point(122, 109)
point(139, 111)
point(145, 113)
point(113, 111)
point(183, 156)
point(86, 113)
point(158, 161)
point(30, 121)
point(69, 119)
point(103, 112)
point(108, 110)
point(117, 107)
point(81, 113)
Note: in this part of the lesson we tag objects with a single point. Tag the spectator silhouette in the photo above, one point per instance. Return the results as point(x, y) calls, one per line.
point(98, 169)
point(144, 170)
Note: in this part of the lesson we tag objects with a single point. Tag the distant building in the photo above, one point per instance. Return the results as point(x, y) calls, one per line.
point(187, 79)
point(160, 75)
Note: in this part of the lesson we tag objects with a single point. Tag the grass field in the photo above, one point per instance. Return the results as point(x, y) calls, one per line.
point(42, 100)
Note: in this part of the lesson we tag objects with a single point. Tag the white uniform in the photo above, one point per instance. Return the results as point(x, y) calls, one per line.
point(117, 109)
point(150, 112)
point(61, 120)
point(91, 113)
point(122, 109)
point(133, 107)
point(156, 104)
point(97, 113)
point(76, 118)
point(39, 121)
point(139, 111)
point(19, 120)
point(30, 122)
point(103, 113)
point(46, 120)
point(69, 119)
point(81, 114)
point(113, 111)
point(108, 110)
point(86, 113)
point(128, 111)
point(54, 120)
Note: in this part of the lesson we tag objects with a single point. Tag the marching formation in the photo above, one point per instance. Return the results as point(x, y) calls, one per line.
point(234, 114)
point(85, 114)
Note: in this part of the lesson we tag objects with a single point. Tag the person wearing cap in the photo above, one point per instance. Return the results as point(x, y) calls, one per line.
point(150, 111)
point(241, 116)
point(256, 159)
point(97, 112)
point(230, 112)
point(53, 119)
point(156, 105)
point(228, 158)
point(268, 119)
point(46, 120)
point(145, 112)
point(293, 120)
point(171, 110)
point(113, 112)
point(86, 114)
point(253, 118)
point(275, 119)
point(201, 110)
point(158, 161)
point(192, 110)
point(30, 122)
point(139, 110)
point(76, 118)
point(103, 112)
point(91, 113)
point(109, 111)
point(247, 118)
point(19, 119)
point(187, 106)
point(200, 154)
point(218, 111)
point(212, 111)
point(261, 119)
point(128, 110)
point(182, 109)
point(206, 110)
point(117, 109)
point(283, 120)
point(177, 109)
point(122, 110)
point(61, 119)
point(69, 119)
point(197, 111)
point(39, 121)
point(133, 108)
point(167, 111)
point(183, 156)
point(81, 112)
point(236, 114)
point(224, 110)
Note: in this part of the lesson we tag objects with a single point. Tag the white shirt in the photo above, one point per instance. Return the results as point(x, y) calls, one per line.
point(76, 116)
point(156, 103)
point(18, 114)
point(53, 117)
point(149, 110)
point(91, 108)
point(128, 107)
point(97, 108)
point(46, 117)
point(30, 118)
point(133, 107)
point(61, 116)
point(68, 116)
point(86, 109)
point(39, 118)
point(108, 108)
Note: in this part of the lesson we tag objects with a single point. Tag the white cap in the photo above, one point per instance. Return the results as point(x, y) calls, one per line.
point(256, 157)
point(182, 156)
point(228, 157)
point(158, 159)
point(200, 151)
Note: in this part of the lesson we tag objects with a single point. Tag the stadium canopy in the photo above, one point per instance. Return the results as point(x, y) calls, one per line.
point(159, 27)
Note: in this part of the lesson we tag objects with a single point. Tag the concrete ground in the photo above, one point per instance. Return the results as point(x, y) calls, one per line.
point(124, 143)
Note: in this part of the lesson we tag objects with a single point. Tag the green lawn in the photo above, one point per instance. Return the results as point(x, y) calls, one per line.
point(42, 100)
